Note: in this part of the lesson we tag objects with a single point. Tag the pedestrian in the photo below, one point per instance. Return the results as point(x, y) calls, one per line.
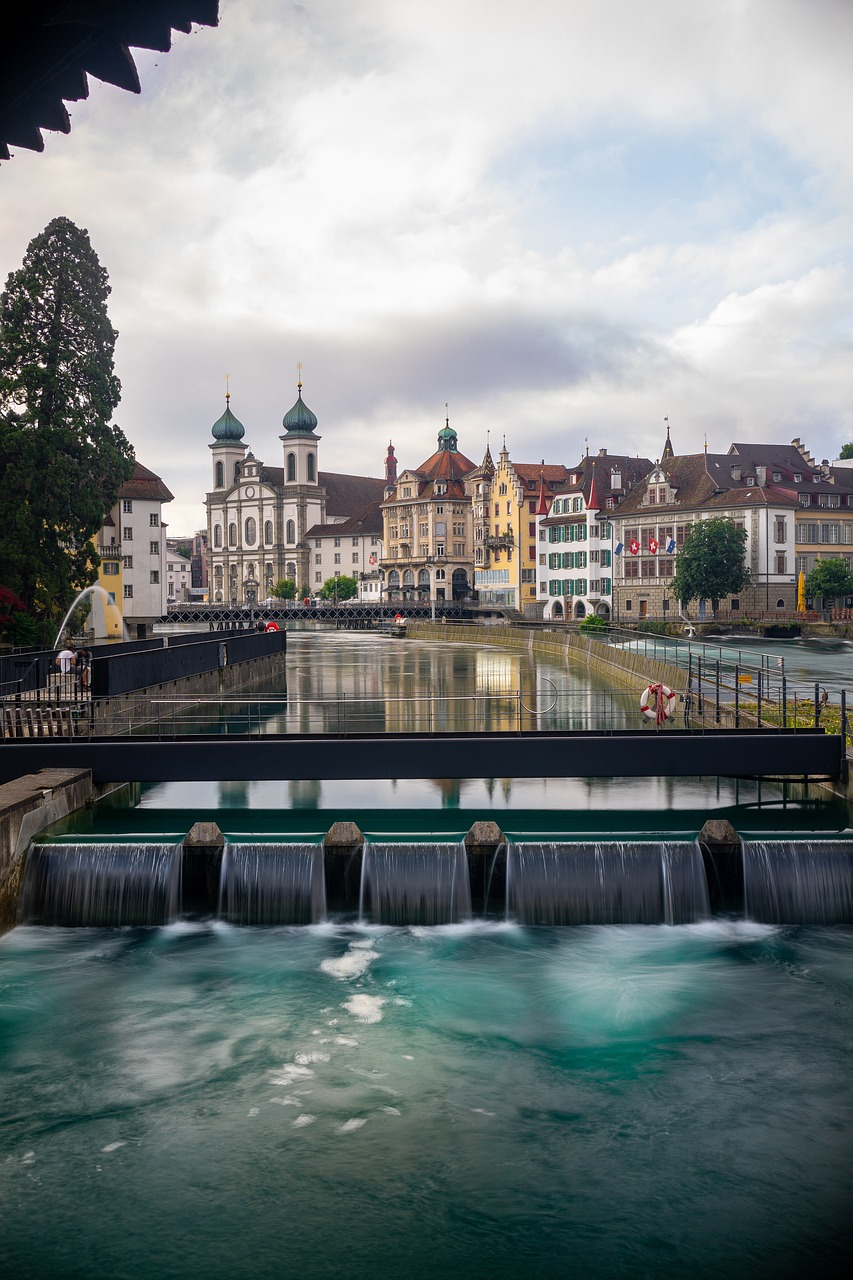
point(84, 668)
point(66, 660)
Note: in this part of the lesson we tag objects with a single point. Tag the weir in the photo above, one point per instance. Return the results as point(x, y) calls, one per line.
point(554, 882)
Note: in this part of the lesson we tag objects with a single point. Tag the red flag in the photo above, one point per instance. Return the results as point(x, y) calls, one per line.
point(634, 547)
point(653, 546)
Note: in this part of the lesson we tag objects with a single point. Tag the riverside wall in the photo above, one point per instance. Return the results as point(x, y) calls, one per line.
point(624, 667)
point(27, 806)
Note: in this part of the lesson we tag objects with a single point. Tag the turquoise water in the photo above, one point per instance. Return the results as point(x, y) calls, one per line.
point(466, 1101)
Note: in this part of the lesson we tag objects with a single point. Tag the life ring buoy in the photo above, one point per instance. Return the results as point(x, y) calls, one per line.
point(657, 702)
point(271, 626)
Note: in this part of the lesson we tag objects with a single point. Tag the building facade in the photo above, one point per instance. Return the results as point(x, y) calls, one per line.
point(652, 523)
point(506, 547)
point(575, 545)
point(260, 518)
point(132, 547)
point(428, 530)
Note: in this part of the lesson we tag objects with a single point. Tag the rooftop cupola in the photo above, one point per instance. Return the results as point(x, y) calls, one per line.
point(447, 440)
point(299, 420)
point(228, 429)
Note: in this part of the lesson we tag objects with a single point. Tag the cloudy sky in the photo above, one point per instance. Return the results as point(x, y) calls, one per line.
point(567, 218)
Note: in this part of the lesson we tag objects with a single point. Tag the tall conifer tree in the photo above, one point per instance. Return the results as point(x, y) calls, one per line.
point(62, 459)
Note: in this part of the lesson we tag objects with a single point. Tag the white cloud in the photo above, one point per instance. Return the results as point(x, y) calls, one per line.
point(568, 220)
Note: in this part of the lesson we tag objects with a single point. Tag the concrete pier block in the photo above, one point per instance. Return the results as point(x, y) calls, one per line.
point(343, 854)
point(485, 846)
point(201, 870)
point(722, 854)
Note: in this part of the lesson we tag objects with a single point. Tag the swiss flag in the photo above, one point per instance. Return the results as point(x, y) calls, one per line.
point(653, 546)
point(634, 547)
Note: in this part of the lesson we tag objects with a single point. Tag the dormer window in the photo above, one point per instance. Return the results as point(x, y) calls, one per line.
point(574, 477)
point(816, 478)
point(777, 476)
point(798, 477)
point(750, 480)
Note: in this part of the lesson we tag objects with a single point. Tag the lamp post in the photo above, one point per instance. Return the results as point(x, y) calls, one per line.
point(337, 575)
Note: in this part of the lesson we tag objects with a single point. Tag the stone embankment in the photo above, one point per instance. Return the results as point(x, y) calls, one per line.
point(623, 666)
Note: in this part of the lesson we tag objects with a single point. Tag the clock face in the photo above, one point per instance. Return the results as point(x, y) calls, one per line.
point(250, 491)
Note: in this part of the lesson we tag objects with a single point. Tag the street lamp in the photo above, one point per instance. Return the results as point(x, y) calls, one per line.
point(337, 575)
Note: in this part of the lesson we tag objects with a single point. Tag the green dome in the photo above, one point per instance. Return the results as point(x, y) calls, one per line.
point(447, 439)
point(299, 419)
point(228, 427)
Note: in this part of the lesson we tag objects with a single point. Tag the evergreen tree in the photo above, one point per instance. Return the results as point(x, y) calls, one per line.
point(62, 460)
point(711, 564)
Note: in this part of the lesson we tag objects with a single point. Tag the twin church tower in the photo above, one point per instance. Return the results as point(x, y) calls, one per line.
point(260, 519)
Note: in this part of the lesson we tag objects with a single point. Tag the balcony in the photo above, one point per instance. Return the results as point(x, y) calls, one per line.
point(110, 552)
point(500, 542)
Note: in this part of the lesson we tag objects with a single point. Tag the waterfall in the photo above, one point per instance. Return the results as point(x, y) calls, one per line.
point(798, 881)
point(91, 884)
point(422, 884)
point(624, 882)
point(263, 884)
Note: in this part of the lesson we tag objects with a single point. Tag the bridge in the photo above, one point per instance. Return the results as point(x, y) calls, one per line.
point(630, 753)
point(346, 614)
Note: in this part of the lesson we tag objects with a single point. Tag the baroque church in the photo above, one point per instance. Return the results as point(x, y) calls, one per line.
point(262, 520)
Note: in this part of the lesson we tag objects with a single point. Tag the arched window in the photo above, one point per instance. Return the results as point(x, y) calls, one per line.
point(219, 597)
point(290, 570)
point(217, 533)
point(268, 532)
point(236, 472)
point(220, 475)
point(291, 466)
point(232, 534)
point(268, 573)
point(408, 578)
point(291, 531)
point(217, 572)
point(393, 579)
point(251, 571)
point(310, 465)
point(251, 531)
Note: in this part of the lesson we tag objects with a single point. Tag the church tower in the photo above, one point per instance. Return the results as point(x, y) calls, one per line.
point(227, 450)
point(303, 499)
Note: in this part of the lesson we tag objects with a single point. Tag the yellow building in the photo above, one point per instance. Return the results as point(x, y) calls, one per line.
point(506, 552)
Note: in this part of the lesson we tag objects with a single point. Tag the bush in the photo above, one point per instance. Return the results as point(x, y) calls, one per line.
point(652, 626)
point(593, 623)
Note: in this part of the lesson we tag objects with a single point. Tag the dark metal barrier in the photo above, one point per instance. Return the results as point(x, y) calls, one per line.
point(624, 753)
point(117, 673)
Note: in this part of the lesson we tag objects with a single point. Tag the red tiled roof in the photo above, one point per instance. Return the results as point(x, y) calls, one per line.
point(146, 486)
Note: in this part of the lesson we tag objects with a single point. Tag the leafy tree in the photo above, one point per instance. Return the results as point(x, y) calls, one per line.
point(62, 460)
point(846, 451)
point(830, 578)
point(592, 622)
point(711, 563)
point(341, 588)
point(284, 590)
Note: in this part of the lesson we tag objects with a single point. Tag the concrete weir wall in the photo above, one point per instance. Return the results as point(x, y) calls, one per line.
point(27, 806)
point(621, 665)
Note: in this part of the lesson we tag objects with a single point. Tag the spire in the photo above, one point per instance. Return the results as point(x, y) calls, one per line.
point(668, 451)
point(592, 502)
point(390, 465)
point(542, 505)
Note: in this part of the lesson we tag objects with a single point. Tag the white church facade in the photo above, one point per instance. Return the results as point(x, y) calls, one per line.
point(264, 523)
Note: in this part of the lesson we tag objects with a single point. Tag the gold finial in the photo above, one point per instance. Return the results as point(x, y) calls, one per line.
point(227, 388)
point(298, 375)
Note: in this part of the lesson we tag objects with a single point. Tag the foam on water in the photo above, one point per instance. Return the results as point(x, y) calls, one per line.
point(352, 964)
point(365, 1008)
